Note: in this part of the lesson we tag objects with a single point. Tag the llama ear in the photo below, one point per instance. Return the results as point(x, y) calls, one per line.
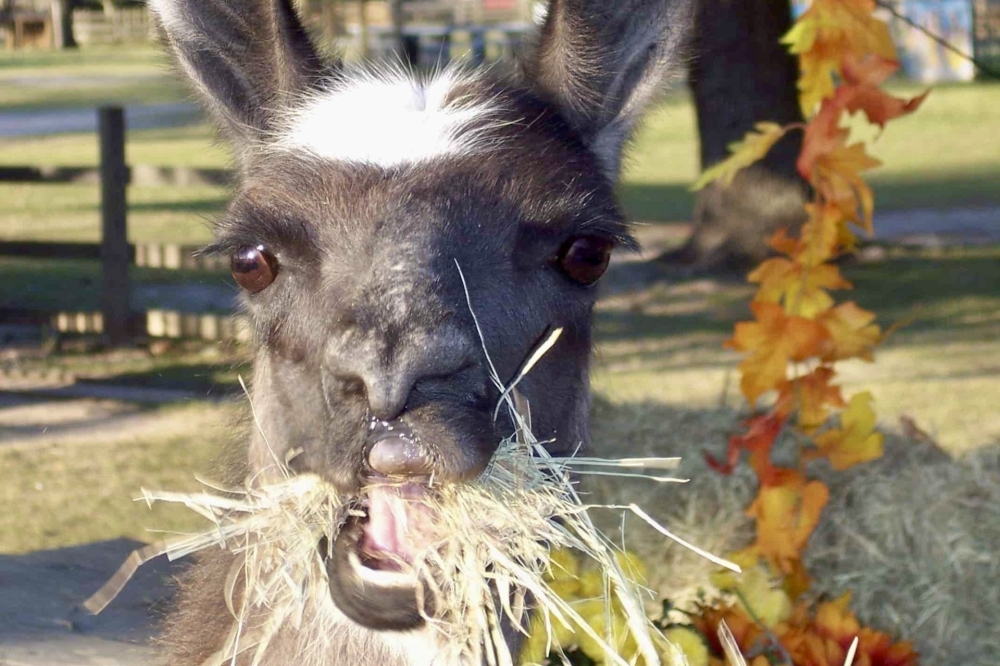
point(245, 57)
point(603, 61)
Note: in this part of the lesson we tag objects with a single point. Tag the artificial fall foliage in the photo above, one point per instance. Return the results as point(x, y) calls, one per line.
point(798, 334)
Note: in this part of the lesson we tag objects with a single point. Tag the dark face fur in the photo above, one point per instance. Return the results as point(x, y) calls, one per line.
point(368, 360)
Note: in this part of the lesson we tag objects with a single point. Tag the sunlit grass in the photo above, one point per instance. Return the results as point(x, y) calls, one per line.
point(59, 495)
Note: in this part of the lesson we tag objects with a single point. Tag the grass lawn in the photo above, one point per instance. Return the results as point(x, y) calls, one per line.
point(90, 76)
point(76, 493)
point(940, 157)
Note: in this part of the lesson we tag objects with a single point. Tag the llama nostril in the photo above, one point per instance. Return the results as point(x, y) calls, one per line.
point(400, 456)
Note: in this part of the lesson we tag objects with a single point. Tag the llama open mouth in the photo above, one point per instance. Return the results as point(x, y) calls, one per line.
point(395, 527)
point(370, 568)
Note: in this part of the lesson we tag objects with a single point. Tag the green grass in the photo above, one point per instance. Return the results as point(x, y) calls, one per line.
point(74, 494)
point(143, 58)
point(86, 77)
point(188, 145)
point(942, 156)
point(663, 346)
point(72, 213)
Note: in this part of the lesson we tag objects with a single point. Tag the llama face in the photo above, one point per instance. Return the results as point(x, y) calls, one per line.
point(395, 235)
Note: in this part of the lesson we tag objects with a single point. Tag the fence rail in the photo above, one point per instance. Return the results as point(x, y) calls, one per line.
point(168, 256)
point(152, 323)
point(124, 24)
point(116, 320)
point(140, 175)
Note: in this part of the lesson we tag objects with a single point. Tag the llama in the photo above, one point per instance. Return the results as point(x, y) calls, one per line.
point(361, 192)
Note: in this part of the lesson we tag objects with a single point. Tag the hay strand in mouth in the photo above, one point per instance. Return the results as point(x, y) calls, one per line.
point(482, 562)
point(273, 529)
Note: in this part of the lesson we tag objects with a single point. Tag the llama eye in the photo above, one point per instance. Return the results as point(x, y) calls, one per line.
point(584, 259)
point(254, 268)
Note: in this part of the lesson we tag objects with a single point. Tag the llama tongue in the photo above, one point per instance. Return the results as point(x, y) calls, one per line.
point(394, 519)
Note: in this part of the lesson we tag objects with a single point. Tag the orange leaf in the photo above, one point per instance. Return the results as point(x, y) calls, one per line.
point(851, 333)
point(783, 243)
point(837, 178)
point(758, 440)
point(823, 135)
point(835, 619)
point(811, 396)
point(824, 34)
point(786, 516)
point(799, 288)
point(856, 441)
point(881, 107)
point(797, 581)
point(868, 69)
point(773, 340)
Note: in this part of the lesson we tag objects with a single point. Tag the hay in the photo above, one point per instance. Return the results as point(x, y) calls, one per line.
point(489, 551)
point(276, 529)
point(913, 535)
point(484, 559)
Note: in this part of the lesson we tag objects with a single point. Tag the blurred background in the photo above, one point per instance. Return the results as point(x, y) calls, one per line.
point(120, 354)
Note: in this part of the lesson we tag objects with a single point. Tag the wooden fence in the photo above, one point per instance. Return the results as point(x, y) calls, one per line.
point(124, 25)
point(116, 320)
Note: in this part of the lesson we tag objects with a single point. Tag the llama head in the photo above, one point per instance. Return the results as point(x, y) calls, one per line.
point(364, 192)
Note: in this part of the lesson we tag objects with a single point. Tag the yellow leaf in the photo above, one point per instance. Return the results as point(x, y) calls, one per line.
point(727, 580)
point(825, 34)
point(633, 567)
point(820, 235)
point(763, 598)
point(836, 176)
point(773, 340)
point(801, 289)
point(856, 441)
point(690, 643)
point(851, 333)
point(786, 516)
point(535, 648)
point(754, 146)
point(563, 565)
point(591, 584)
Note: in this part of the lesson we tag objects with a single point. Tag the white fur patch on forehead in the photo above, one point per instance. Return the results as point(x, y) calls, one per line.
point(390, 118)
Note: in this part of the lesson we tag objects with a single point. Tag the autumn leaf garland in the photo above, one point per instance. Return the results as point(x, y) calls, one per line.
point(799, 333)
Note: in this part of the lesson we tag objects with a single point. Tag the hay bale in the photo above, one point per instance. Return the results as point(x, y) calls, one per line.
point(912, 535)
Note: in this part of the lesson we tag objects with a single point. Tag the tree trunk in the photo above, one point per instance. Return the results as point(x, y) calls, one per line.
point(363, 28)
point(62, 24)
point(741, 75)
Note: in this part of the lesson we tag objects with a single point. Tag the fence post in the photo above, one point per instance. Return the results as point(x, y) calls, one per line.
point(115, 255)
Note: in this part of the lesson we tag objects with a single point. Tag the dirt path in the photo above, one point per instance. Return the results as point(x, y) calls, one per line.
point(43, 623)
